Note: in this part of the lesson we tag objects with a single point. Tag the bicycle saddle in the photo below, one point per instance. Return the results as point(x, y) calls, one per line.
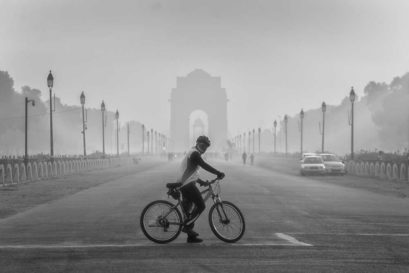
point(173, 185)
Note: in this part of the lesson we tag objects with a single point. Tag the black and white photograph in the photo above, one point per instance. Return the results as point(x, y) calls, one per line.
point(204, 136)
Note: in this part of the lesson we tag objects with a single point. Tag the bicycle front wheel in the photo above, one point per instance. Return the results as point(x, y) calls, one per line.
point(226, 221)
point(161, 222)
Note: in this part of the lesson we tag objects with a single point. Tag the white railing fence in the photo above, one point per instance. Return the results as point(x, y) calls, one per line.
point(20, 173)
point(380, 169)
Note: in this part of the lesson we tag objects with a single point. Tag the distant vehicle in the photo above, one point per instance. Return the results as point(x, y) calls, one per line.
point(333, 164)
point(312, 165)
point(304, 155)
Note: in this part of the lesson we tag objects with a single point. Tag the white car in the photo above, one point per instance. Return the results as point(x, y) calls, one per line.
point(312, 165)
point(333, 164)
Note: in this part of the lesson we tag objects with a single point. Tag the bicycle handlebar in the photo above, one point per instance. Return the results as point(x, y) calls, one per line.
point(213, 181)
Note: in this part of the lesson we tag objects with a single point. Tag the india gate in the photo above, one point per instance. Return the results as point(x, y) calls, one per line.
point(198, 106)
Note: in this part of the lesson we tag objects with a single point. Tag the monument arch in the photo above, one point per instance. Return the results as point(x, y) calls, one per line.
point(202, 93)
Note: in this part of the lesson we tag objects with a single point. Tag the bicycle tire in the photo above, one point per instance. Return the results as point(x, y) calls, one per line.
point(234, 213)
point(157, 231)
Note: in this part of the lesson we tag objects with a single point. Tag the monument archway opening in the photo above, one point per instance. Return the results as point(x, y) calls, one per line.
point(198, 105)
point(198, 125)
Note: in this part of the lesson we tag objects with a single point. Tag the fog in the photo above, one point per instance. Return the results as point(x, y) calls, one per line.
point(67, 124)
point(274, 57)
point(381, 123)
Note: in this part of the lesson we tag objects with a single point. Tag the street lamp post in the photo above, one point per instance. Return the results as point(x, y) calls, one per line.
point(50, 84)
point(127, 136)
point(302, 125)
point(156, 142)
point(259, 139)
point(148, 138)
point(27, 101)
point(153, 136)
point(249, 139)
point(159, 143)
point(244, 142)
point(240, 143)
point(165, 142)
point(352, 97)
point(254, 134)
point(103, 128)
point(160, 146)
point(152, 151)
point(143, 139)
point(117, 132)
point(285, 128)
point(82, 99)
point(324, 109)
point(275, 136)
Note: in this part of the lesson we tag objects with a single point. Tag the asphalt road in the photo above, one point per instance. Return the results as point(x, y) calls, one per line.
point(293, 224)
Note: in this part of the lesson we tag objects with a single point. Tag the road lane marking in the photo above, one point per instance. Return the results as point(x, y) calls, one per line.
point(207, 244)
point(10, 247)
point(72, 246)
point(355, 234)
point(268, 244)
point(291, 239)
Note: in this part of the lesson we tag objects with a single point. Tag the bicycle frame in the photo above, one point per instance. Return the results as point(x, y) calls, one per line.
point(209, 192)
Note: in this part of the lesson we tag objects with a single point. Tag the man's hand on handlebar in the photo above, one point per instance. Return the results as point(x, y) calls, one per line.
point(221, 176)
point(207, 183)
point(203, 183)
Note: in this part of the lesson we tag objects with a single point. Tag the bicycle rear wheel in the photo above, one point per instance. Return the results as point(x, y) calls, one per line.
point(226, 222)
point(161, 222)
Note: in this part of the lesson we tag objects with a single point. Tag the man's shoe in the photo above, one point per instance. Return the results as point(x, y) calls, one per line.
point(194, 240)
point(190, 232)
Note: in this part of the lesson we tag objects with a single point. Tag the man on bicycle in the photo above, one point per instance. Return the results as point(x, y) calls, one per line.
point(191, 194)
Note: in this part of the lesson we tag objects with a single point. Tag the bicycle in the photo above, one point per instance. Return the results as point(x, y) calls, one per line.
point(161, 221)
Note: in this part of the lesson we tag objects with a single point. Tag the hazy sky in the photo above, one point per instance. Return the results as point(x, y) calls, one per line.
point(274, 57)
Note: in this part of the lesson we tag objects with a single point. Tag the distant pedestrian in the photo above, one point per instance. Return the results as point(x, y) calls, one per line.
point(244, 157)
point(252, 159)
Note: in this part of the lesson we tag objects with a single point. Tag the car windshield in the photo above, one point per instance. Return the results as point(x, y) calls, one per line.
point(313, 160)
point(329, 158)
